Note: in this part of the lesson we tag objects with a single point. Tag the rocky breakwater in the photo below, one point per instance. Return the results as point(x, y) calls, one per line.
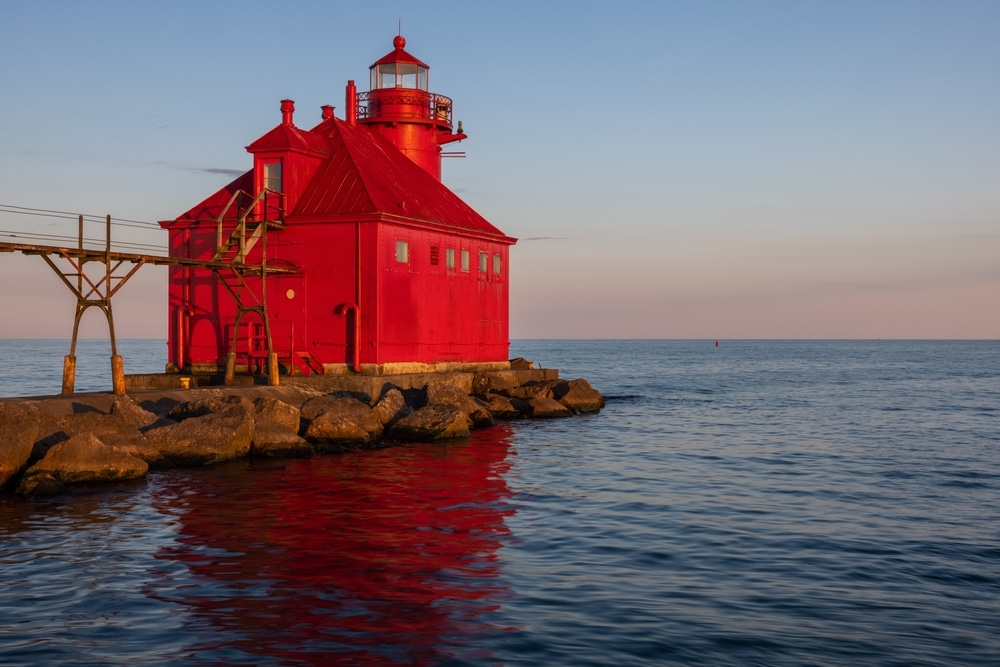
point(53, 445)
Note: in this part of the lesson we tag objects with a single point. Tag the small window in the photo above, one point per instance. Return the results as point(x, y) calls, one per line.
point(402, 251)
point(449, 258)
point(496, 265)
point(435, 252)
point(483, 262)
point(465, 260)
point(272, 176)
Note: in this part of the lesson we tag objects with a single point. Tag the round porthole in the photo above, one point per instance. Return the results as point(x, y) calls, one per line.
point(290, 294)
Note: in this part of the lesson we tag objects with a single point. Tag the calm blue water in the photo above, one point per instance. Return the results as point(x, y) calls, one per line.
point(758, 503)
point(34, 367)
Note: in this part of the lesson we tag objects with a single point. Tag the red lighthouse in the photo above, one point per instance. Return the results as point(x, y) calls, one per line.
point(401, 108)
point(341, 250)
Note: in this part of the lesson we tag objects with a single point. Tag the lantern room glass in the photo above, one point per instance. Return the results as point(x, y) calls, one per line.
point(399, 75)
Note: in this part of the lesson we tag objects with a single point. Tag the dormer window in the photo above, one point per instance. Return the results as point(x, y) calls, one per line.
point(272, 176)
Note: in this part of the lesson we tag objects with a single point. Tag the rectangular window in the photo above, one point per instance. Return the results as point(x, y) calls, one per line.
point(496, 265)
point(449, 258)
point(272, 176)
point(483, 259)
point(465, 260)
point(402, 251)
point(435, 252)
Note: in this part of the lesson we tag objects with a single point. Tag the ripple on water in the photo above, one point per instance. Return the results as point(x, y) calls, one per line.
point(792, 503)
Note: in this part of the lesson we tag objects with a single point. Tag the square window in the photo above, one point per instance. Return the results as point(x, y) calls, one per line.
point(496, 265)
point(272, 176)
point(449, 258)
point(402, 251)
point(465, 260)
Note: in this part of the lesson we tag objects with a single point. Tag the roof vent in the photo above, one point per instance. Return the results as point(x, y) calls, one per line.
point(287, 109)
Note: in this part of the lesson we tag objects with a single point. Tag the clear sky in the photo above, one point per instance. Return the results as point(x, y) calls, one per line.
point(723, 169)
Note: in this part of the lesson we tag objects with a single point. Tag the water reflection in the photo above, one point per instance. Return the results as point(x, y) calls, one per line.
point(386, 557)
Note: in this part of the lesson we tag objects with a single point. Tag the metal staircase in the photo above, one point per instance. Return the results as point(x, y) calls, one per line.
point(252, 222)
point(251, 225)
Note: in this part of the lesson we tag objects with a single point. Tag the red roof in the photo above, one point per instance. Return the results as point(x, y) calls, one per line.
point(362, 175)
point(288, 137)
point(211, 208)
point(367, 174)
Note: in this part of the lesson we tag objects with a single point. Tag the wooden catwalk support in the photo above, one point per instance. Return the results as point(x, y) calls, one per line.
point(92, 292)
point(96, 288)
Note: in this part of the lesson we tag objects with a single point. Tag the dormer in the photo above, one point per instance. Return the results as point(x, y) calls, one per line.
point(284, 161)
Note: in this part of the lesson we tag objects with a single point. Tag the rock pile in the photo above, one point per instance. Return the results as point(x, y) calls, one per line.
point(42, 453)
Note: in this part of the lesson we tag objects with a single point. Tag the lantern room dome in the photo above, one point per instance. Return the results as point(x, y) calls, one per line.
point(399, 69)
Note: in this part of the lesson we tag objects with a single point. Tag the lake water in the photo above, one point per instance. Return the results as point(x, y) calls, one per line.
point(755, 503)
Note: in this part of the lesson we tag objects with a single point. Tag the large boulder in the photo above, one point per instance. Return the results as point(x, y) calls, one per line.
point(18, 432)
point(445, 393)
point(339, 404)
point(581, 397)
point(338, 423)
point(331, 433)
point(554, 389)
point(111, 429)
point(206, 405)
point(272, 409)
point(542, 408)
point(210, 438)
point(134, 414)
point(198, 407)
point(82, 458)
point(501, 407)
point(478, 412)
point(432, 422)
point(391, 407)
point(274, 440)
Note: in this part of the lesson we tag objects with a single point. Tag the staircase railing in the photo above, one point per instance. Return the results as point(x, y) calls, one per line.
point(257, 216)
point(238, 237)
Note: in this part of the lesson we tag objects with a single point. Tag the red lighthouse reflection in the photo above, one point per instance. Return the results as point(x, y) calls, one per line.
point(377, 557)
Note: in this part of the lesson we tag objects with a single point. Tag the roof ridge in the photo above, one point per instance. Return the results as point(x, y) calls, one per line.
point(365, 185)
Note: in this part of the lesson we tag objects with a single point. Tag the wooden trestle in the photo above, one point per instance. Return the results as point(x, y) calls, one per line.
point(97, 289)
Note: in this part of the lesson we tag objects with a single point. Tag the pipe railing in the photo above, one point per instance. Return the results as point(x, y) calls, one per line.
point(404, 104)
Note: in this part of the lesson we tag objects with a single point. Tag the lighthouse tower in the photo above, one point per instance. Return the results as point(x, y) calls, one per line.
point(400, 107)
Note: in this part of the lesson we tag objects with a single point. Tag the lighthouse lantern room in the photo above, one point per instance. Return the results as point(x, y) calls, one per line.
point(400, 106)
